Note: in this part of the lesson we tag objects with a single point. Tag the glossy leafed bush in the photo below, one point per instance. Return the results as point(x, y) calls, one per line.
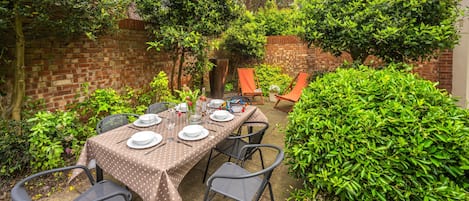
point(364, 134)
point(269, 75)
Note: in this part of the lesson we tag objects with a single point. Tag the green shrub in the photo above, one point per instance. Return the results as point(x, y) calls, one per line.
point(101, 103)
point(159, 88)
point(14, 145)
point(271, 75)
point(364, 134)
point(52, 135)
point(229, 87)
point(14, 156)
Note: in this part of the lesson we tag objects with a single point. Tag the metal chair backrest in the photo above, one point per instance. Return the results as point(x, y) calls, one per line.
point(156, 108)
point(268, 170)
point(103, 190)
point(254, 137)
point(113, 121)
point(265, 173)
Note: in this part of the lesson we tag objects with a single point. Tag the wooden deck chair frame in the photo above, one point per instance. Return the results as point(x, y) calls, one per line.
point(245, 81)
point(294, 92)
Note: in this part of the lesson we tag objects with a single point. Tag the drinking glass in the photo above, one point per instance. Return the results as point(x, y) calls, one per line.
point(171, 118)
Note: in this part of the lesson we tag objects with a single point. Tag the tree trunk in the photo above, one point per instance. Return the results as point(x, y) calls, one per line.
point(358, 55)
point(181, 65)
point(173, 70)
point(19, 83)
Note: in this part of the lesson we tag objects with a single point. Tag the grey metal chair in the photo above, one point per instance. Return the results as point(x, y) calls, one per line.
point(234, 181)
point(113, 121)
point(103, 190)
point(108, 123)
point(156, 108)
point(232, 145)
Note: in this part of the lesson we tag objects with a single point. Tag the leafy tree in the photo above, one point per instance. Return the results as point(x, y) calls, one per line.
point(254, 5)
point(286, 21)
point(23, 20)
point(245, 37)
point(396, 30)
point(184, 28)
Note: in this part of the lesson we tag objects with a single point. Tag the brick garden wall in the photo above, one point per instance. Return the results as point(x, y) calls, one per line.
point(293, 55)
point(56, 71)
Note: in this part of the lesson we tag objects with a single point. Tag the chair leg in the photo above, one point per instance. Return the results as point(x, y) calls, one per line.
point(99, 173)
point(262, 159)
point(206, 167)
point(278, 100)
point(271, 192)
point(283, 110)
point(207, 194)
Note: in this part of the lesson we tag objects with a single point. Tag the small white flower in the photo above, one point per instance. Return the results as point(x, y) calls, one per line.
point(274, 88)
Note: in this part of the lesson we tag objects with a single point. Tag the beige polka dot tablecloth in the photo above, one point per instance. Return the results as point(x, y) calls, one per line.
point(157, 175)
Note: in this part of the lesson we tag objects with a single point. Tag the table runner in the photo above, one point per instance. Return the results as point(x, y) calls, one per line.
point(156, 176)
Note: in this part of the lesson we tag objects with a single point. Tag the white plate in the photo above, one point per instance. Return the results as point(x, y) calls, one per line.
point(229, 118)
point(199, 137)
point(177, 108)
point(139, 123)
point(158, 138)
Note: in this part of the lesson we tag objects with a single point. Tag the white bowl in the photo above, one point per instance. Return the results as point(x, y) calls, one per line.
point(192, 130)
point(237, 108)
point(148, 118)
point(143, 137)
point(220, 114)
point(182, 107)
point(216, 102)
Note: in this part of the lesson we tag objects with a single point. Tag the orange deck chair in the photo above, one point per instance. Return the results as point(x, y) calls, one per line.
point(249, 84)
point(295, 93)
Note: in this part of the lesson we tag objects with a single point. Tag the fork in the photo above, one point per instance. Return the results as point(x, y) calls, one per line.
point(179, 141)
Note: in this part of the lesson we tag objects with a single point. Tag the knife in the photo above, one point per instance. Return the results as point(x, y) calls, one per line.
point(155, 148)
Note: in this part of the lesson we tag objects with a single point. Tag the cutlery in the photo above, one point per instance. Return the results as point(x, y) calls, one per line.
point(134, 128)
point(123, 140)
point(179, 141)
point(211, 130)
point(164, 143)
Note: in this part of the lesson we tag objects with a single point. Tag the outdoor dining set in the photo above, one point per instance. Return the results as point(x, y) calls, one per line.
point(150, 154)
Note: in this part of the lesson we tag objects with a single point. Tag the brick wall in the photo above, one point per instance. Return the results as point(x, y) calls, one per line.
point(55, 71)
point(293, 55)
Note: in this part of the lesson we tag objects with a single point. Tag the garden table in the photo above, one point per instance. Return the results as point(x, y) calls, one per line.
point(157, 175)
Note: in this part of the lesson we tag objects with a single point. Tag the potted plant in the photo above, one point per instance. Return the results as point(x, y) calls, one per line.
point(273, 90)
